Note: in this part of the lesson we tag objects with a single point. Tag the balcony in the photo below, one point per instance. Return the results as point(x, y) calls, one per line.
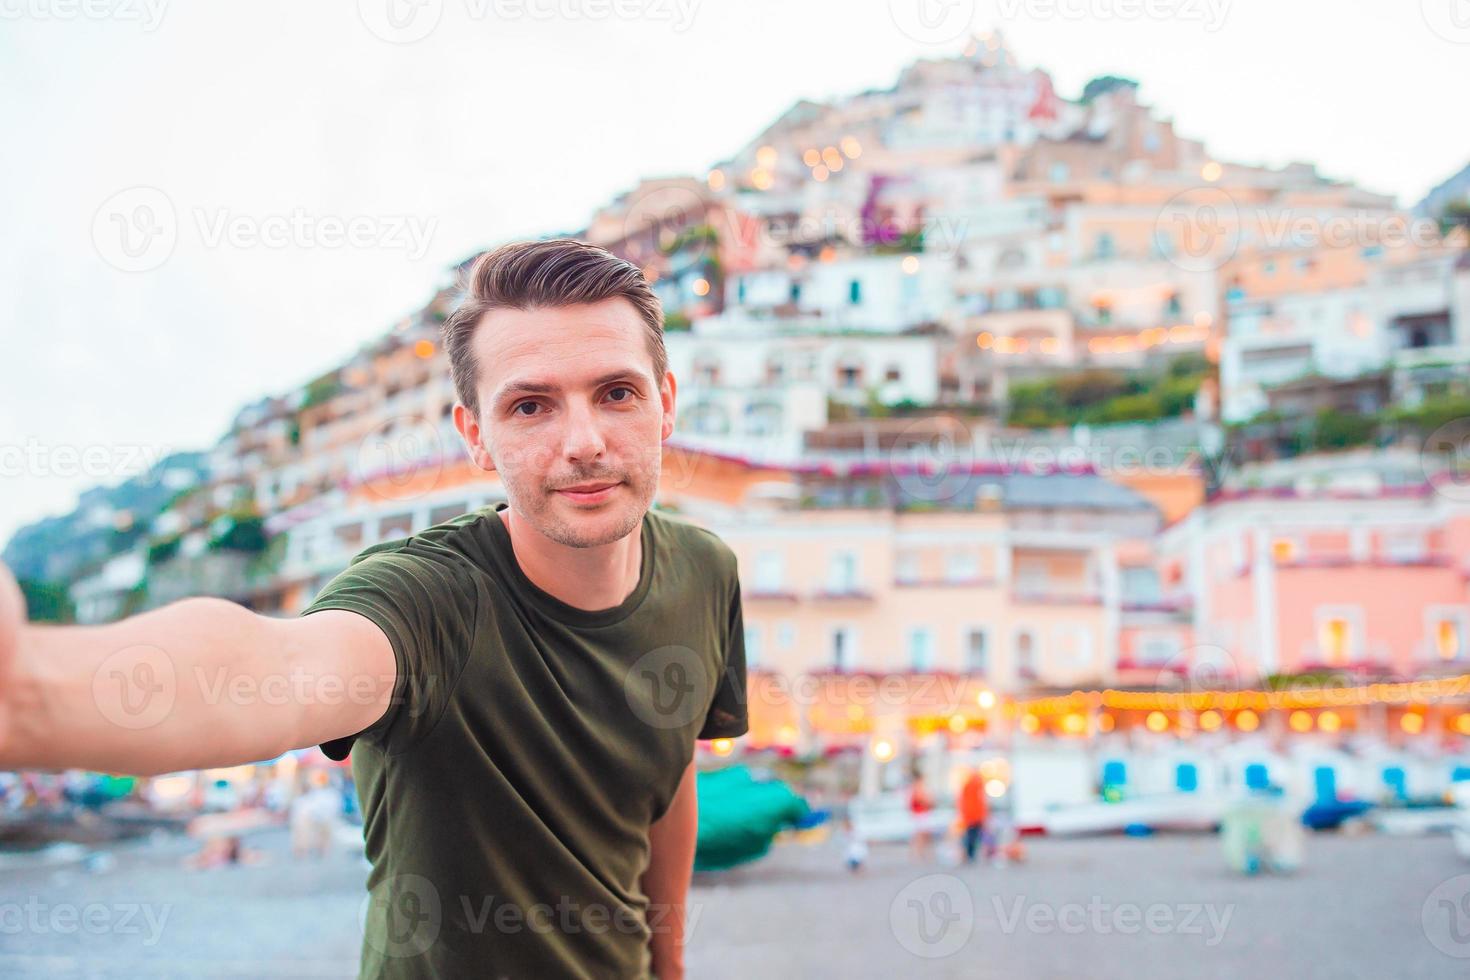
point(1055, 597)
point(842, 594)
point(768, 594)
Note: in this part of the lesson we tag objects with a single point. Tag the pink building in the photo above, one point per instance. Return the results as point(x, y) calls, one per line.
point(1342, 563)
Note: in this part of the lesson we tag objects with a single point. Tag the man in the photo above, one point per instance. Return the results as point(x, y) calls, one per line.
point(974, 811)
point(524, 684)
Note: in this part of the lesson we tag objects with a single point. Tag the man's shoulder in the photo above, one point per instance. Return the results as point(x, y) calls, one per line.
point(697, 543)
point(445, 544)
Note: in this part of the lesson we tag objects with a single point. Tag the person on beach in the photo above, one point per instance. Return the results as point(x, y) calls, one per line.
point(974, 811)
point(921, 805)
point(520, 687)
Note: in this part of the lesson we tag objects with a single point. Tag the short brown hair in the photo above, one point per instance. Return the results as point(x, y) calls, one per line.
point(551, 273)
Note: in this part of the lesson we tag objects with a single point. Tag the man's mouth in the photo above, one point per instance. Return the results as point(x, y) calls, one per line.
point(588, 492)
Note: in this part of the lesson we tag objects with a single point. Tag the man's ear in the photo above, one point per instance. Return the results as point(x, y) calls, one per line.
point(470, 432)
point(667, 391)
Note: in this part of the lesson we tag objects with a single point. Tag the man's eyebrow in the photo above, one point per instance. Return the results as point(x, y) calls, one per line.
point(512, 389)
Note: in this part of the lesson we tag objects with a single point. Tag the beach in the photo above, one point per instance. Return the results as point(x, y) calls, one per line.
point(1365, 906)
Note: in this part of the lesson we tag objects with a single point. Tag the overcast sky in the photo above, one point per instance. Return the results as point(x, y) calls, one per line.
point(461, 123)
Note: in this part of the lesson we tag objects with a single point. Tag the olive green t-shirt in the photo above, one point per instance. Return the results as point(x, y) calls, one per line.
point(508, 790)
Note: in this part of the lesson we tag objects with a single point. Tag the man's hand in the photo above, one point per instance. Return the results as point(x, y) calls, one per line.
point(12, 615)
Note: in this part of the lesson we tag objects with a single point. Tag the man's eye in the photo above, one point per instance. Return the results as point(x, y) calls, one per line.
point(531, 405)
point(623, 388)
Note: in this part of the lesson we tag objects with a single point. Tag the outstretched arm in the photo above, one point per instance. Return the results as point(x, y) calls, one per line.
point(195, 684)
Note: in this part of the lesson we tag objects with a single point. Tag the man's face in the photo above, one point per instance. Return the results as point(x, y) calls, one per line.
point(571, 417)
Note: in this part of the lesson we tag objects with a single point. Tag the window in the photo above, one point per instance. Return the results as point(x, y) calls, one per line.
point(1174, 307)
point(1448, 641)
point(785, 634)
point(770, 571)
point(1284, 551)
point(795, 292)
point(843, 653)
point(1334, 635)
point(842, 572)
point(907, 567)
point(1104, 247)
point(960, 566)
point(1339, 634)
point(1404, 546)
point(1025, 654)
point(977, 656)
point(855, 292)
point(1157, 648)
point(921, 649)
point(753, 646)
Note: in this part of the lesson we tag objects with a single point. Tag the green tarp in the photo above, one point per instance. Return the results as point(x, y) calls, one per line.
point(739, 815)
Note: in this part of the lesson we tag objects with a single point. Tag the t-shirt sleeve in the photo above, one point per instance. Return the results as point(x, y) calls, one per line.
point(427, 612)
point(727, 716)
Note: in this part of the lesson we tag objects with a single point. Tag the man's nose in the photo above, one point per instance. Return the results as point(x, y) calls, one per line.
point(582, 437)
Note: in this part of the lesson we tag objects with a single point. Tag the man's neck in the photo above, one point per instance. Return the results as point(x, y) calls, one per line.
point(591, 579)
